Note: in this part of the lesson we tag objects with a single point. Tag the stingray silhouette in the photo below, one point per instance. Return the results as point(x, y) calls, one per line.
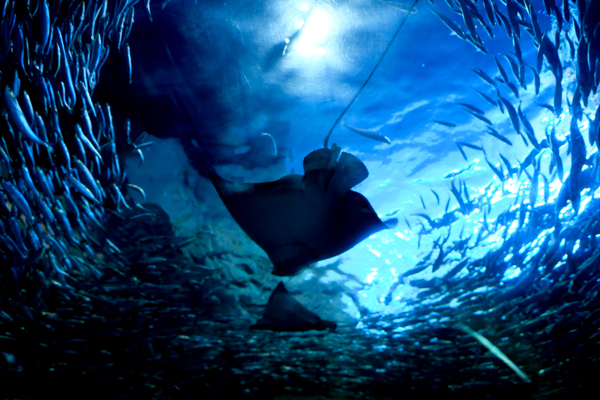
point(299, 219)
point(283, 313)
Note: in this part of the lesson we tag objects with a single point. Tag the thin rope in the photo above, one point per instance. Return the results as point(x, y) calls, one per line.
point(370, 75)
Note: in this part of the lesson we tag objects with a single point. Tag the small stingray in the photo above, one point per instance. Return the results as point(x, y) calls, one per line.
point(283, 313)
point(299, 219)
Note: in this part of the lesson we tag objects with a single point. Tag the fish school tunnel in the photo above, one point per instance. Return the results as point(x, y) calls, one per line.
point(299, 199)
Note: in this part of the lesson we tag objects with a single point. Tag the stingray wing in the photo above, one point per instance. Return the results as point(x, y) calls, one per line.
point(298, 220)
point(260, 209)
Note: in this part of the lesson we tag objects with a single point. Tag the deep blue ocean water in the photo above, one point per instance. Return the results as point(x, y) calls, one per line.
point(125, 272)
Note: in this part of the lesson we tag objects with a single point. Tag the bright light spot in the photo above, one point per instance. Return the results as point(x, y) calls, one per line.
point(576, 246)
point(584, 203)
point(388, 262)
point(314, 32)
point(512, 272)
point(371, 277)
point(377, 253)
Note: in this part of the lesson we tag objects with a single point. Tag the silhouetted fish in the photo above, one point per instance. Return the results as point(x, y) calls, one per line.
point(283, 313)
point(299, 219)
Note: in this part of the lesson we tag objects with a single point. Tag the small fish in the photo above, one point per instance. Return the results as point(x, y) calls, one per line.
point(533, 190)
point(514, 118)
point(578, 157)
point(139, 190)
point(472, 108)
point(423, 202)
point(559, 19)
point(484, 76)
point(546, 188)
point(45, 185)
point(458, 172)
point(546, 106)
point(407, 223)
point(480, 117)
point(128, 58)
point(16, 234)
point(143, 215)
point(549, 50)
point(528, 129)
point(449, 23)
point(63, 222)
point(536, 78)
point(28, 181)
point(457, 195)
point(65, 71)
point(510, 169)
point(512, 10)
point(468, 18)
point(439, 260)
point(400, 6)
point(436, 195)
point(585, 77)
point(461, 151)
point(275, 144)
point(147, 2)
point(491, 131)
point(513, 88)
point(487, 98)
point(466, 191)
point(70, 204)
point(448, 124)
point(291, 41)
point(471, 146)
point(368, 134)
point(87, 178)
point(18, 199)
point(495, 169)
point(501, 69)
point(44, 25)
point(393, 212)
point(529, 159)
point(571, 45)
point(86, 141)
point(18, 119)
point(494, 350)
point(558, 96)
point(503, 20)
point(427, 217)
point(489, 11)
point(537, 33)
point(513, 66)
point(81, 189)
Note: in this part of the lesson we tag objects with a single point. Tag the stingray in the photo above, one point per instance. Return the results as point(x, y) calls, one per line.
point(301, 219)
point(283, 313)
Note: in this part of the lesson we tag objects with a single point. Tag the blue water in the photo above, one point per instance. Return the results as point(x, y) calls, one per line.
point(297, 97)
point(155, 300)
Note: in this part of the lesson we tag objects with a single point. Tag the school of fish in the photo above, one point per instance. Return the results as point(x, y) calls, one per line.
point(119, 312)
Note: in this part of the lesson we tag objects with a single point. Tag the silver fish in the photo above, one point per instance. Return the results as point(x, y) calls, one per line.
point(368, 134)
point(18, 119)
point(17, 197)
